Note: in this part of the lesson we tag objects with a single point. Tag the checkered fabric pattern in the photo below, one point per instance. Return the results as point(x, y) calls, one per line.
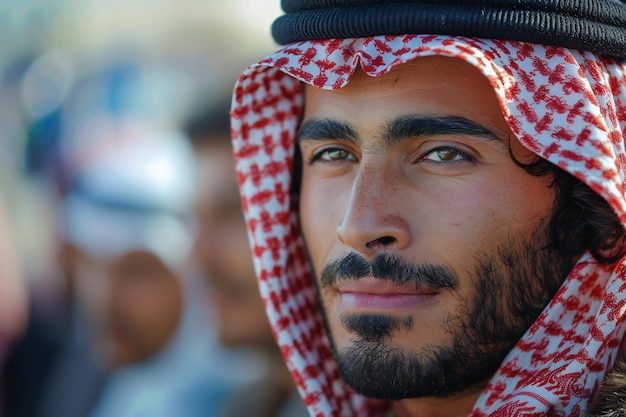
point(567, 106)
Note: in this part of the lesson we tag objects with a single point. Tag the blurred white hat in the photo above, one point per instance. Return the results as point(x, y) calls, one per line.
point(134, 193)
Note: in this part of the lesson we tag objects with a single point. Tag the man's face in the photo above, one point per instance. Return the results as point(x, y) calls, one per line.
point(222, 250)
point(133, 304)
point(427, 240)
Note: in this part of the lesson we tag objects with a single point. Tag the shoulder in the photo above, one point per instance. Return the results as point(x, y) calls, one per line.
point(610, 401)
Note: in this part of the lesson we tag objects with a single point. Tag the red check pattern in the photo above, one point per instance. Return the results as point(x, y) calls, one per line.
point(568, 107)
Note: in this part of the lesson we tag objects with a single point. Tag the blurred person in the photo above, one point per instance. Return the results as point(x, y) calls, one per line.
point(125, 224)
point(13, 298)
point(221, 252)
point(124, 220)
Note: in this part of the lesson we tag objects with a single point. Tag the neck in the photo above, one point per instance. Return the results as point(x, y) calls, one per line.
point(459, 405)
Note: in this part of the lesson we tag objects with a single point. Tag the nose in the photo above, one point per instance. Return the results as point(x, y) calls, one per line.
point(373, 221)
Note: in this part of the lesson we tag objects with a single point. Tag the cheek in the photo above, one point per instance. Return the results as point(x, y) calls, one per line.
point(457, 218)
point(322, 207)
point(520, 204)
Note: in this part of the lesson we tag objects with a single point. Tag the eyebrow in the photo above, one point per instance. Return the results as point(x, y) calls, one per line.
point(404, 127)
point(397, 129)
point(326, 129)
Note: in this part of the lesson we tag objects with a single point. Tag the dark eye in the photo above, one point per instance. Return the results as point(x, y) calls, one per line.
point(445, 154)
point(332, 154)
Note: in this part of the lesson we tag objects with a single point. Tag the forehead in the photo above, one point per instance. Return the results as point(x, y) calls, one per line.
point(431, 86)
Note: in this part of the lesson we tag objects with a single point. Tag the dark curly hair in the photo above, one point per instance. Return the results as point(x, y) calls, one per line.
point(582, 220)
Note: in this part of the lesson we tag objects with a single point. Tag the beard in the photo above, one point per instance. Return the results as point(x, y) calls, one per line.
point(512, 285)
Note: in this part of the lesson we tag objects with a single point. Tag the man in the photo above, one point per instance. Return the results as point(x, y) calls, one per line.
point(221, 252)
point(456, 203)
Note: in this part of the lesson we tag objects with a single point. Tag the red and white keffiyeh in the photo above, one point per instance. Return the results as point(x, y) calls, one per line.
point(567, 106)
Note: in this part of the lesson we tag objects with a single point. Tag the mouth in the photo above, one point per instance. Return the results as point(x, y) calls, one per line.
point(375, 294)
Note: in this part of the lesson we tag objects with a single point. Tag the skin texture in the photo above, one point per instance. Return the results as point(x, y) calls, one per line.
point(133, 303)
point(450, 200)
point(221, 249)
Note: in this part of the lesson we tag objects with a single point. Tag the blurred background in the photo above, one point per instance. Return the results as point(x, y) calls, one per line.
point(159, 59)
point(123, 253)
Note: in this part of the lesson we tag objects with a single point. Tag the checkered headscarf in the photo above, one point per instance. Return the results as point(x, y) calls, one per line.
point(567, 106)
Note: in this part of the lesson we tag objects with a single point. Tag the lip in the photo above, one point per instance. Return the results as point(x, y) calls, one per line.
point(376, 294)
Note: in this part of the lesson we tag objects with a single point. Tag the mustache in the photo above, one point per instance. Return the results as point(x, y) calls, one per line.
point(389, 267)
